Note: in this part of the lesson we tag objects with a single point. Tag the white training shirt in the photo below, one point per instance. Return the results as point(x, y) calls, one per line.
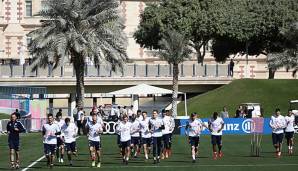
point(145, 132)
point(80, 113)
point(124, 129)
point(94, 131)
point(216, 125)
point(155, 127)
point(50, 131)
point(60, 124)
point(195, 127)
point(69, 132)
point(140, 118)
point(290, 121)
point(169, 124)
point(135, 129)
point(277, 123)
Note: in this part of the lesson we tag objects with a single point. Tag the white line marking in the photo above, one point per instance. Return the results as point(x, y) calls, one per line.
point(189, 166)
point(38, 160)
point(34, 163)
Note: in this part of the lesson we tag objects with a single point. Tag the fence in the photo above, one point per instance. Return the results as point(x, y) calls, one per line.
point(129, 70)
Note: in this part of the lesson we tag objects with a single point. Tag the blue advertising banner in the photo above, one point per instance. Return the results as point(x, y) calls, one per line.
point(232, 126)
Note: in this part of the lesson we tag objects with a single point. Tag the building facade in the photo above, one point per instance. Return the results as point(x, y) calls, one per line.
point(17, 18)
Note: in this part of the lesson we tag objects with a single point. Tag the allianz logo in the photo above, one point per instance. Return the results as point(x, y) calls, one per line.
point(245, 126)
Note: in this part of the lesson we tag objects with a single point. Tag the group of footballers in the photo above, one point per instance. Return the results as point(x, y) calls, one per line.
point(140, 131)
point(134, 133)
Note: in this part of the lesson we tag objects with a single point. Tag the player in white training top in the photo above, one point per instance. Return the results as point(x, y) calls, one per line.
point(169, 124)
point(145, 134)
point(94, 130)
point(216, 125)
point(50, 130)
point(277, 123)
point(135, 135)
point(124, 130)
point(194, 126)
point(69, 132)
point(289, 131)
point(156, 126)
point(60, 144)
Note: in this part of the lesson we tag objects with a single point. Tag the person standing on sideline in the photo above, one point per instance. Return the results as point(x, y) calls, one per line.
point(14, 128)
point(145, 134)
point(194, 126)
point(216, 125)
point(169, 124)
point(231, 67)
point(124, 129)
point(79, 120)
point(224, 113)
point(277, 123)
point(94, 130)
point(156, 126)
point(60, 144)
point(289, 131)
point(50, 130)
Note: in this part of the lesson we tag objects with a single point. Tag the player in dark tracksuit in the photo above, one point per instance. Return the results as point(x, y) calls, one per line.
point(13, 128)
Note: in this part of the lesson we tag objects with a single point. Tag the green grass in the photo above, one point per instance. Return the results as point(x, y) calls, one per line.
point(270, 93)
point(4, 116)
point(236, 156)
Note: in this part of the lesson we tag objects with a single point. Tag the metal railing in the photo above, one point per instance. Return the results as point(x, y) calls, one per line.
point(129, 70)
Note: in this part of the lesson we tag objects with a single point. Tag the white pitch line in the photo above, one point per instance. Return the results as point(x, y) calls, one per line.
point(34, 163)
point(190, 166)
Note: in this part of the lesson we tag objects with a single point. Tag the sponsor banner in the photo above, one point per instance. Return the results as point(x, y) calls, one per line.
point(236, 126)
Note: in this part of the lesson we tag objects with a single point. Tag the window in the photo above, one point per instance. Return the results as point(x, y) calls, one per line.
point(28, 39)
point(43, 5)
point(28, 8)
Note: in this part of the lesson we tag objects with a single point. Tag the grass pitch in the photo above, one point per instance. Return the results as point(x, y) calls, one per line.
point(236, 150)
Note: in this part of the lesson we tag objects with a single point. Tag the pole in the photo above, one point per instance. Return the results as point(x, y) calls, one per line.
point(185, 104)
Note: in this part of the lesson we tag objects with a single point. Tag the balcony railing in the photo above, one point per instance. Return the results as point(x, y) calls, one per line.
point(129, 70)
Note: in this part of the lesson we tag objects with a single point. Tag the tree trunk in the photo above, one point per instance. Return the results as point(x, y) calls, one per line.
point(271, 73)
point(79, 66)
point(175, 89)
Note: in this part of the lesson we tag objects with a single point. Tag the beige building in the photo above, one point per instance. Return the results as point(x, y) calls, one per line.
point(17, 19)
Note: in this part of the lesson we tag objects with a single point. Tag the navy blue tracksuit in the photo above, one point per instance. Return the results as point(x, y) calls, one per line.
point(13, 135)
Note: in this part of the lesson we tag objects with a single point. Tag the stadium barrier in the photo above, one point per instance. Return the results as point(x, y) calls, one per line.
point(238, 126)
point(232, 126)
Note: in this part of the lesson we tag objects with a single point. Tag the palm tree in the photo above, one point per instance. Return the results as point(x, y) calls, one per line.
point(174, 48)
point(76, 30)
point(287, 58)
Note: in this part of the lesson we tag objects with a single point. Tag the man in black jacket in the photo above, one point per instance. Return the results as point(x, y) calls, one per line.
point(14, 128)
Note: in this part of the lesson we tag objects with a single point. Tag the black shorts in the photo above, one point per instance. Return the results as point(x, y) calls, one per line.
point(71, 147)
point(277, 138)
point(194, 141)
point(14, 144)
point(135, 140)
point(289, 135)
point(95, 144)
point(216, 140)
point(166, 140)
point(147, 141)
point(125, 144)
point(49, 149)
point(59, 142)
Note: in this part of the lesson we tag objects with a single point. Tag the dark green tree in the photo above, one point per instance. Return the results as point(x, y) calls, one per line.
point(196, 19)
